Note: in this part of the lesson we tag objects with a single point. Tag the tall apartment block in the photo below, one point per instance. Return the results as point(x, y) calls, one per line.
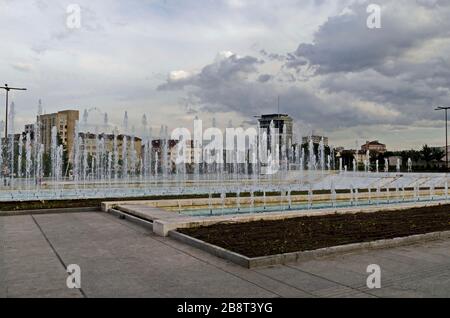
point(65, 122)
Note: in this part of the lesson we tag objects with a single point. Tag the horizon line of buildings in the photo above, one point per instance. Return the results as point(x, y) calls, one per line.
point(65, 122)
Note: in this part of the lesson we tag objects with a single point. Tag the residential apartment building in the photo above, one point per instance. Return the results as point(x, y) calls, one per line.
point(92, 142)
point(316, 139)
point(172, 152)
point(65, 123)
point(283, 124)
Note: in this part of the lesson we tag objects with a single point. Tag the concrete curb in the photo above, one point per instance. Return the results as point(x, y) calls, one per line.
point(164, 222)
point(212, 249)
point(50, 211)
point(131, 218)
point(281, 259)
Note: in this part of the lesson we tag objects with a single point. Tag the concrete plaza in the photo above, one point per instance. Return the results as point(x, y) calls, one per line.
point(121, 259)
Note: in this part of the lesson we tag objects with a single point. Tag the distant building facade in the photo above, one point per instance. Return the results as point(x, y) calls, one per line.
point(65, 123)
point(283, 124)
point(90, 142)
point(374, 146)
point(173, 154)
point(29, 129)
point(316, 139)
point(280, 122)
point(360, 156)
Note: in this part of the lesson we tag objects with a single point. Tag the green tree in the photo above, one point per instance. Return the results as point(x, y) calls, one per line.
point(437, 154)
point(426, 154)
point(414, 155)
point(347, 158)
point(65, 155)
point(47, 164)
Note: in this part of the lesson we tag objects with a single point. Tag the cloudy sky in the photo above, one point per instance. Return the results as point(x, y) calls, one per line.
point(230, 59)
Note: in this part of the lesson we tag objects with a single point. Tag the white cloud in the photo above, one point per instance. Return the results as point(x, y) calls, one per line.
point(23, 67)
point(179, 75)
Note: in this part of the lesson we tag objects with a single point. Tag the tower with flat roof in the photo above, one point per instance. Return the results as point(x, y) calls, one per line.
point(283, 124)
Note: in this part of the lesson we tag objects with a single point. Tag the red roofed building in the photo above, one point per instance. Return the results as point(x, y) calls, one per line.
point(374, 146)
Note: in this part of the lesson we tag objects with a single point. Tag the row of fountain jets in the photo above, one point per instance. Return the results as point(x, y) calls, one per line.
point(27, 166)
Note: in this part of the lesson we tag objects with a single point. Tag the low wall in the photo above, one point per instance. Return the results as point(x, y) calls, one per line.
point(174, 204)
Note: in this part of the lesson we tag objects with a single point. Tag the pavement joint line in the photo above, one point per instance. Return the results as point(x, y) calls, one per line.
point(284, 283)
point(197, 258)
point(350, 291)
point(335, 292)
point(261, 274)
point(421, 273)
point(343, 294)
point(391, 255)
point(405, 277)
point(49, 211)
point(55, 252)
point(217, 267)
point(332, 281)
point(425, 273)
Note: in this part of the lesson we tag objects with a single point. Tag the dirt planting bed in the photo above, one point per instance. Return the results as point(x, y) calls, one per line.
point(264, 238)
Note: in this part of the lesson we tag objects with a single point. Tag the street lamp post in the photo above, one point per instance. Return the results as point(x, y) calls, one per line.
point(7, 88)
point(446, 108)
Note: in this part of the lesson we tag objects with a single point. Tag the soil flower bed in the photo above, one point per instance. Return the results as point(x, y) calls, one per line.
point(264, 238)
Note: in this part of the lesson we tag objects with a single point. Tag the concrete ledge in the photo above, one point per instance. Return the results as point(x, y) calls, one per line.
point(166, 221)
point(50, 211)
point(276, 199)
point(280, 259)
point(163, 228)
point(132, 219)
point(148, 213)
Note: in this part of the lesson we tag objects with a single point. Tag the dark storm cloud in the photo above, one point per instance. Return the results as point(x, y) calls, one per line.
point(348, 76)
point(216, 92)
point(264, 78)
point(383, 66)
point(272, 56)
point(345, 43)
point(228, 69)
